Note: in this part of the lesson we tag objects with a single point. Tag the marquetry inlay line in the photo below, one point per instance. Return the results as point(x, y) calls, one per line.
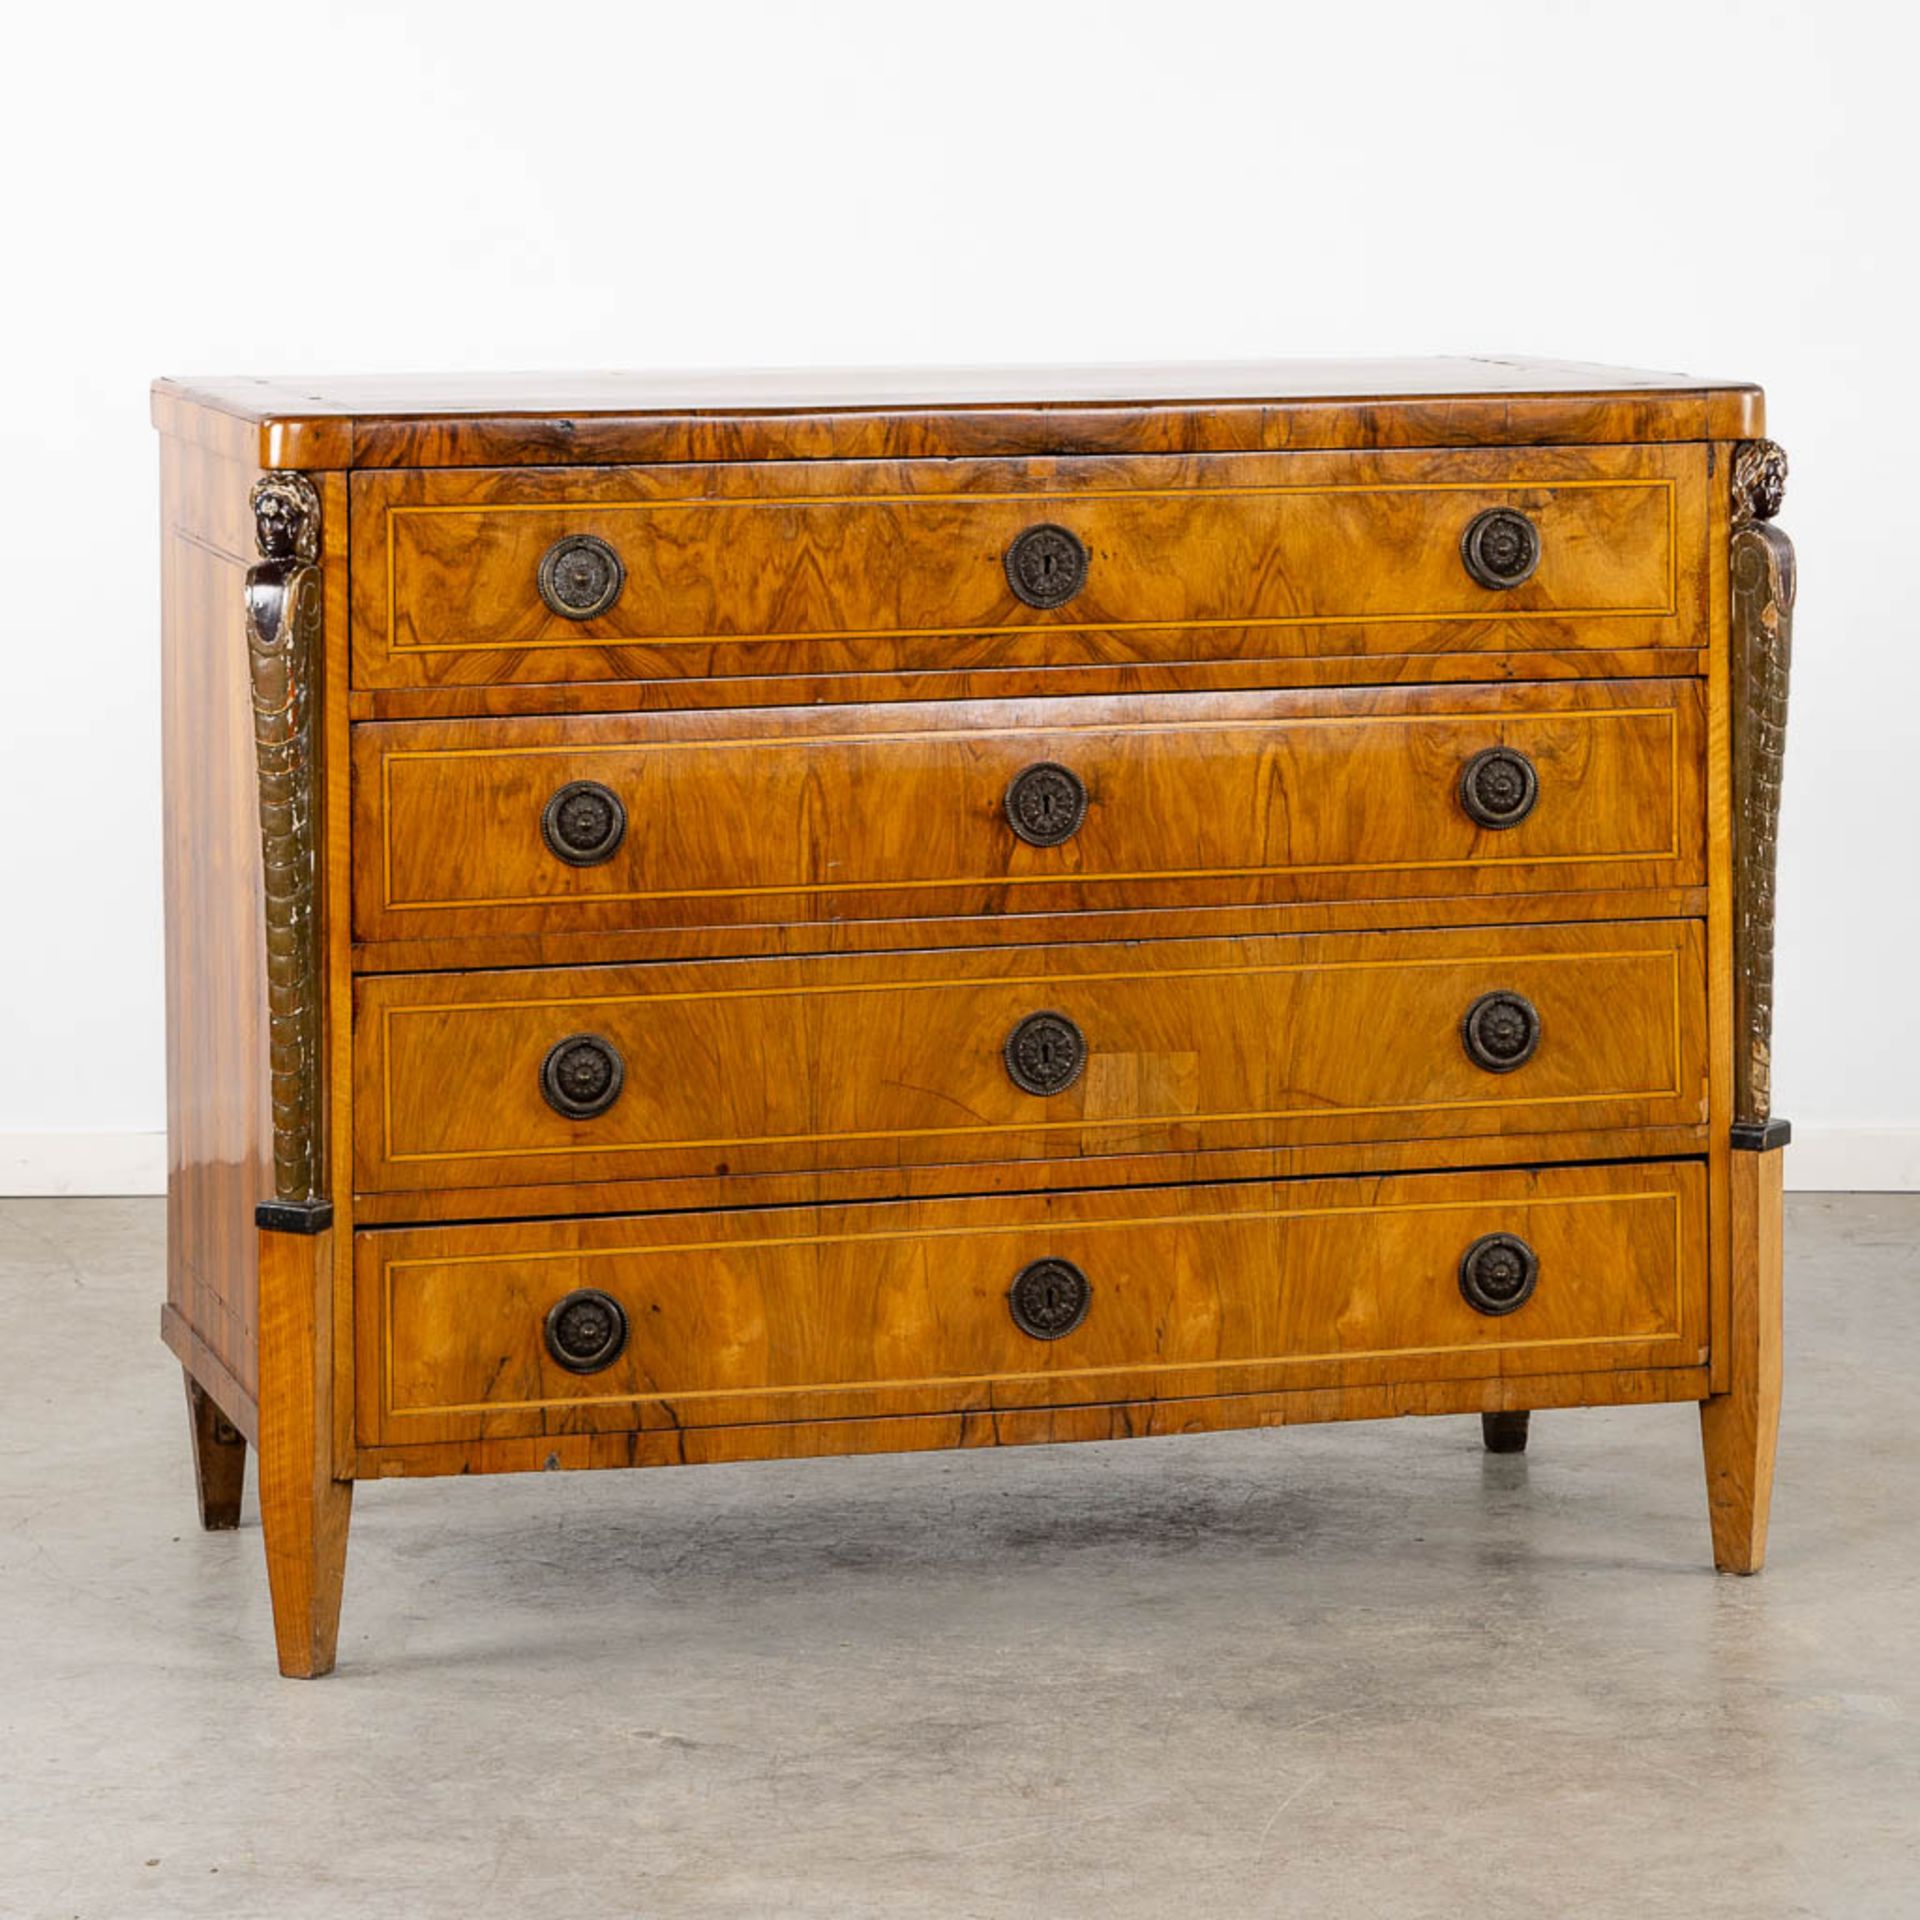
point(573, 502)
point(1160, 876)
point(642, 642)
point(1654, 1335)
point(1525, 1202)
point(1057, 502)
point(1139, 1122)
point(1055, 1234)
point(1673, 546)
point(1509, 963)
point(807, 990)
point(1503, 723)
point(1067, 729)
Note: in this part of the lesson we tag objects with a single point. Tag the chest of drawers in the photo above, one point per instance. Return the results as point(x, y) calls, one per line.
point(799, 915)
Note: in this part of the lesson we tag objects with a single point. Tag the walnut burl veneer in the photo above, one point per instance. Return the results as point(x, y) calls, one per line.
point(722, 918)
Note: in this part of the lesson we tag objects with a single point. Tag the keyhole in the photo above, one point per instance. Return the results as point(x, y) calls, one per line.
point(1044, 1053)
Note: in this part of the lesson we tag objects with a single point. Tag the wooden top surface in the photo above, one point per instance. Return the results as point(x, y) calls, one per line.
point(499, 418)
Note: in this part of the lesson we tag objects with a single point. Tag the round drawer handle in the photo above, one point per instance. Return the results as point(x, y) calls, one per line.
point(1046, 803)
point(580, 577)
point(582, 1075)
point(1501, 548)
point(1049, 1298)
point(584, 823)
point(586, 1330)
point(1498, 787)
point(1498, 1274)
point(1045, 1053)
point(1501, 1031)
point(1046, 565)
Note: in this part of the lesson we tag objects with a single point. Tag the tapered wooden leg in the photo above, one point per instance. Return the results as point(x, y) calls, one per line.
point(1738, 1428)
point(1504, 1432)
point(303, 1509)
point(219, 1459)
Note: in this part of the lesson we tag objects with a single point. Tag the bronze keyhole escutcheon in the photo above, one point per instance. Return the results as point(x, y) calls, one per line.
point(1046, 803)
point(1046, 565)
point(1045, 1054)
point(1049, 1298)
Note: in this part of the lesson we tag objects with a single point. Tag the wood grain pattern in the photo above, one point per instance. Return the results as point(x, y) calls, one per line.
point(206, 1369)
point(880, 1061)
point(219, 1131)
point(828, 1314)
point(916, 933)
point(855, 414)
point(1028, 1426)
point(882, 812)
point(897, 567)
point(931, 1180)
point(1739, 1428)
point(1719, 921)
point(304, 1506)
point(336, 930)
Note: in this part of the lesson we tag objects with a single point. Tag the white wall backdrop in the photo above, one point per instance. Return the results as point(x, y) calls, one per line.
point(1727, 188)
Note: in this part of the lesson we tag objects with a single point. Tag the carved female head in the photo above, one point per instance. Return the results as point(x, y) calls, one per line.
point(286, 517)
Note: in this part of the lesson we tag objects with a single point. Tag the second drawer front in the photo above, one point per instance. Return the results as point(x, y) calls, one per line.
point(603, 824)
point(780, 1066)
point(691, 1320)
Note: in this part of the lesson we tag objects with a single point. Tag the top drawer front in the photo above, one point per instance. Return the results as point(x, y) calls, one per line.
point(895, 568)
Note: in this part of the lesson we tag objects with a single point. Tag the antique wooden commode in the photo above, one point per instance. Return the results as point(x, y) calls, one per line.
point(716, 918)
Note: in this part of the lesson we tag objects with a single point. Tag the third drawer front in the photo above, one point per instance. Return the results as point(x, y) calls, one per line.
point(745, 1067)
point(690, 1320)
point(619, 822)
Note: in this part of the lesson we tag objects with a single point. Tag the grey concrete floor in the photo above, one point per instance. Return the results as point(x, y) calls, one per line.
point(1363, 1670)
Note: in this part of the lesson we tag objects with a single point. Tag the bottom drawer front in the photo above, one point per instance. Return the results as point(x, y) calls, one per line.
point(936, 1306)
